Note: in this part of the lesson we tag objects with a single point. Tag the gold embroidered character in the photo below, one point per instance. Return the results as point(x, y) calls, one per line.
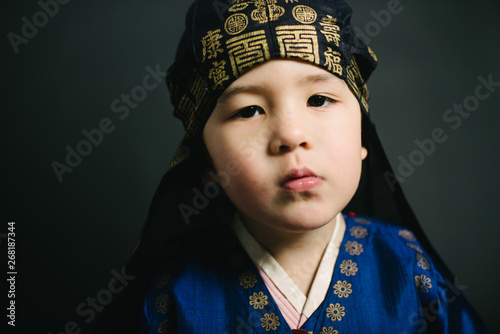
point(298, 42)
point(304, 14)
point(211, 44)
point(332, 61)
point(330, 29)
point(218, 73)
point(265, 10)
point(247, 50)
point(236, 23)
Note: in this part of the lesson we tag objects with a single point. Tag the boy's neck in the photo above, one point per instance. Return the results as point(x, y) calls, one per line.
point(298, 253)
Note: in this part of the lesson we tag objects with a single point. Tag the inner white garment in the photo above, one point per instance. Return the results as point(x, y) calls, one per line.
point(295, 307)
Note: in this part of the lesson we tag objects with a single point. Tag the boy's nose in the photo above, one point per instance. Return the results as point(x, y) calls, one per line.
point(288, 135)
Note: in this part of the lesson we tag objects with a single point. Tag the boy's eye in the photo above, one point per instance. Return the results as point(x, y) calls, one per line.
point(249, 112)
point(319, 101)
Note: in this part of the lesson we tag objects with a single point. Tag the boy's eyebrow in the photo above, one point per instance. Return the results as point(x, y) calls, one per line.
point(312, 78)
point(319, 78)
point(230, 92)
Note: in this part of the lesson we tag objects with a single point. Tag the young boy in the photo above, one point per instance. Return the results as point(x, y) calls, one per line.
point(271, 215)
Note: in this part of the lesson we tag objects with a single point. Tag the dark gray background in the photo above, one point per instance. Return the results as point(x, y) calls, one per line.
point(70, 235)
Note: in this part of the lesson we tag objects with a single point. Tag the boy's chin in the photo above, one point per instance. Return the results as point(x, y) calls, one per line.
point(305, 222)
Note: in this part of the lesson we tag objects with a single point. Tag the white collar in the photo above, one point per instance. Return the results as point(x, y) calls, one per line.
point(262, 258)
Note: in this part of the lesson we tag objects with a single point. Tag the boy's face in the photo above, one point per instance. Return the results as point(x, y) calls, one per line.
point(294, 131)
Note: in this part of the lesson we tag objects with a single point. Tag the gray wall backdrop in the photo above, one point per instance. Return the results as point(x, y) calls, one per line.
point(64, 78)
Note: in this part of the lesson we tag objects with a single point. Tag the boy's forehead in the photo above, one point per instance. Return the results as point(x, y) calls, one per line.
point(290, 72)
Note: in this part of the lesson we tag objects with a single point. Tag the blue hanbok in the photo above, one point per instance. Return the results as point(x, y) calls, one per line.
point(383, 282)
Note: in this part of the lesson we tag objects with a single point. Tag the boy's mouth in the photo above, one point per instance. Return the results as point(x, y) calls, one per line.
point(299, 180)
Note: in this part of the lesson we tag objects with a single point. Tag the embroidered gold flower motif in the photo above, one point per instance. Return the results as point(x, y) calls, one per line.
point(329, 330)
point(164, 327)
point(258, 300)
point(270, 321)
point(247, 279)
point(362, 221)
point(422, 262)
point(358, 232)
point(342, 289)
point(335, 312)
point(162, 303)
point(354, 248)
point(407, 235)
point(162, 281)
point(423, 283)
point(348, 268)
point(415, 247)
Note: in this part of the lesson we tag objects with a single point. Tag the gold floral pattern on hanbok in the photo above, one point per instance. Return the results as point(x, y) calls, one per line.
point(422, 262)
point(329, 330)
point(354, 248)
point(358, 232)
point(362, 220)
point(162, 281)
point(348, 268)
point(258, 300)
point(342, 289)
point(270, 321)
point(407, 235)
point(423, 283)
point(164, 327)
point(247, 279)
point(162, 303)
point(414, 247)
point(335, 312)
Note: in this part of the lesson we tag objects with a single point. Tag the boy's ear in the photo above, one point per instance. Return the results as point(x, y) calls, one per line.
point(364, 153)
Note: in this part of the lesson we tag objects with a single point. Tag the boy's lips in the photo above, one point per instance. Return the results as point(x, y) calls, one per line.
point(299, 180)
